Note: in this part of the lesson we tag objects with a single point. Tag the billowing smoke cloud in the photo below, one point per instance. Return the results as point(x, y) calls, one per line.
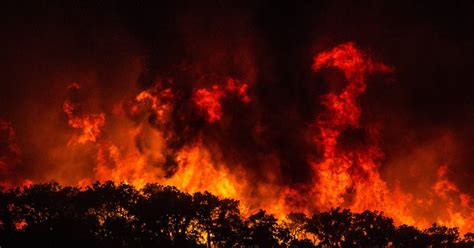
point(228, 98)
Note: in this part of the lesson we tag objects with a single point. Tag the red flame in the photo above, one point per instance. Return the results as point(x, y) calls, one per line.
point(144, 141)
point(208, 100)
point(90, 125)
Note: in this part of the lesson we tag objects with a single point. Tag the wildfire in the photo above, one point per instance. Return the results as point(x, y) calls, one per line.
point(89, 125)
point(341, 170)
point(356, 170)
point(161, 135)
point(208, 100)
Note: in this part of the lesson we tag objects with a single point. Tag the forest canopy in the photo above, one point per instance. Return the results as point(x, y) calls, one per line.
point(110, 215)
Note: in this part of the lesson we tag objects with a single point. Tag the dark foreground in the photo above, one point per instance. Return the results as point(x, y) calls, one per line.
point(106, 215)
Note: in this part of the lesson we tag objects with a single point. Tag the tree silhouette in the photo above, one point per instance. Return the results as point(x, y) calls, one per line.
point(296, 225)
point(331, 227)
point(441, 236)
point(408, 236)
point(468, 240)
point(370, 229)
point(166, 217)
point(109, 215)
point(262, 230)
point(219, 219)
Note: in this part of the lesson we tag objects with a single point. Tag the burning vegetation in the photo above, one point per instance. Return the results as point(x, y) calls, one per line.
point(301, 131)
point(109, 215)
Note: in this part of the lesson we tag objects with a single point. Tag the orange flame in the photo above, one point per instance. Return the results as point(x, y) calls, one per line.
point(355, 171)
point(142, 146)
point(89, 125)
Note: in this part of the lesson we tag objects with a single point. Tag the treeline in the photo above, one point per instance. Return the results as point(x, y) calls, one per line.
point(109, 215)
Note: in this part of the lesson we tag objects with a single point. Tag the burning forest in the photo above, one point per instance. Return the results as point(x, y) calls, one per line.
point(286, 108)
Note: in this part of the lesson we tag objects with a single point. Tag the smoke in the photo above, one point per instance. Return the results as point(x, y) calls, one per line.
point(223, 97)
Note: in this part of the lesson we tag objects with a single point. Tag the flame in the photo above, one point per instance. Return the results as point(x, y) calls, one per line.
point(196, 172)
point(356, 171)
point(144, 140)
point(460, 212)
point(208, 100)
point(340, 170)
point(90, 125)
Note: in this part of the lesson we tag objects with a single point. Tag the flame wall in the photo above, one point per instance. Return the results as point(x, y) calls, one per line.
point(286, 108)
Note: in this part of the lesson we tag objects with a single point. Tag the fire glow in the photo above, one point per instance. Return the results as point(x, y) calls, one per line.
point(157, 137)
